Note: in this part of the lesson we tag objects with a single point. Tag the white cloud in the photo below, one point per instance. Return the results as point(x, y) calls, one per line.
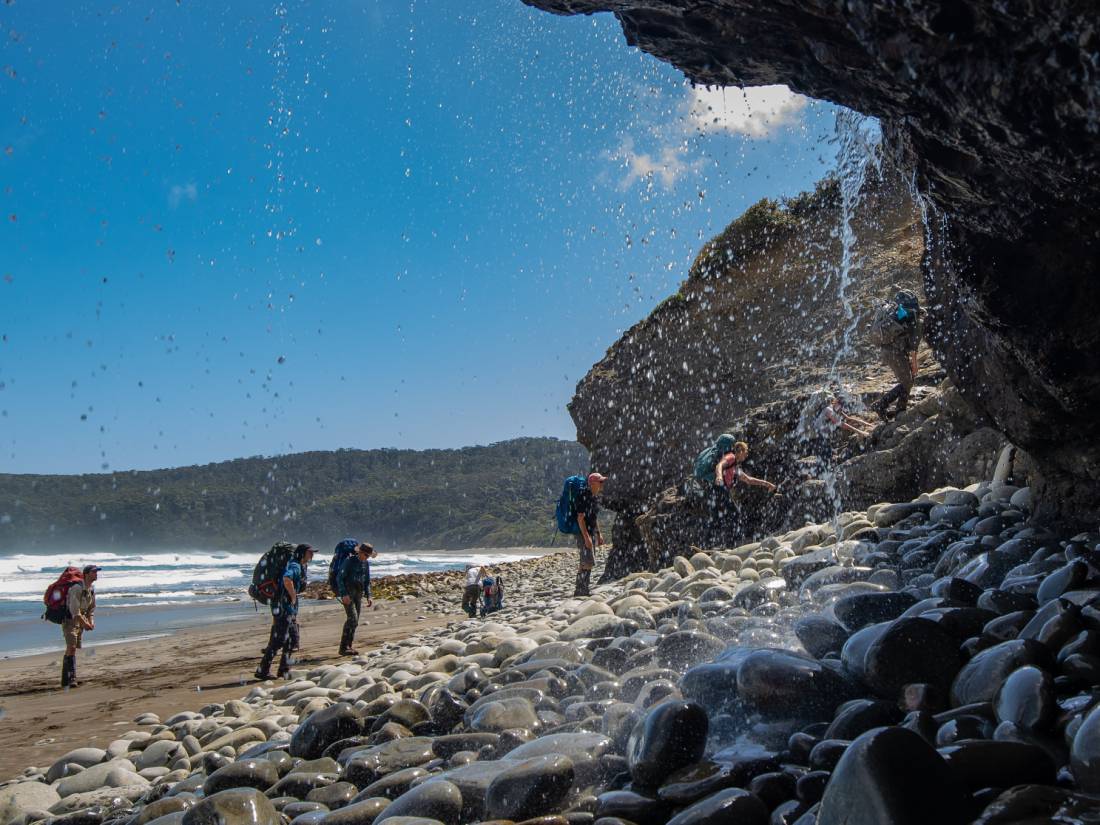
point(182, 192)
point(755, 112)
point(667, 166)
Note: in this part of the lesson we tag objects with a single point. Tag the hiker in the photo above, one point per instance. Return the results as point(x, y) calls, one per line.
point(80, 602)
point(588, 537)
point(728, 471)
point(472, 591)
point(498, 595)
point(284, 615)
point(488, 595)
point(896, 330)
point(352, 584)
point(824, 415)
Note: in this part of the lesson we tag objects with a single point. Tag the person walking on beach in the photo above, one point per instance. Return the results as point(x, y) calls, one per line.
point(81, 605)
point(352, 584)
point(896, 330)
point(472, 592)
point(285, 635)
point(588, 537)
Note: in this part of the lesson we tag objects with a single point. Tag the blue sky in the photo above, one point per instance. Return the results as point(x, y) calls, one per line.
point(297, 226)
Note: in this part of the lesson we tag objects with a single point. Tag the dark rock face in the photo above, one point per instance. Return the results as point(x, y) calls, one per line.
point(994, 107)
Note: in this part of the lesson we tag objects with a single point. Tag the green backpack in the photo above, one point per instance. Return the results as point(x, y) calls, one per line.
point(709, 458)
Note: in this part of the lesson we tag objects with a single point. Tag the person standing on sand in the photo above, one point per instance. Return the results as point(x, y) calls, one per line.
point(284, 615)
point(81, 605)
point(352, 584)
point(589, 536)
point(472, 592)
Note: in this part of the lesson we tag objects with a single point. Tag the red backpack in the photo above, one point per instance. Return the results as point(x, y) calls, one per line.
point(56, 598)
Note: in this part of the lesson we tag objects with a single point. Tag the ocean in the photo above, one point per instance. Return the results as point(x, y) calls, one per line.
point(145, 595)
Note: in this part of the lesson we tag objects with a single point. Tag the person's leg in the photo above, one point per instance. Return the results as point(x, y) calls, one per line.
point(585, 563)
point(291, 641)
point(274, 642)
point(899, 365)
point(347, 634)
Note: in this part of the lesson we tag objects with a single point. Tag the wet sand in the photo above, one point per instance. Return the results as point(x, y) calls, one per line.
point(182, 671)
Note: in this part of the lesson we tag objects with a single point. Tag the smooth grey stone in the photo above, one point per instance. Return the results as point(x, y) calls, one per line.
point(583, 748)
point(333, 796)
point(240, 806)
point(372, 764)
point(683, 649)
point(392, 785)
point(820, 635)
point(446, 746)
point(496, 716)
point(298, 785)
point(862, 609)
point(358, 813)
point(1085, 753)
point(440, 800)
point(323, 727)
point(1026, 698)
point(530, 787)
point(164, 806)
point(981, 677)
point(786, 684)
point(252, 773)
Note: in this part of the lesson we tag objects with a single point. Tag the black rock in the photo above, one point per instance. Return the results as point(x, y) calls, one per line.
point(438, 799)
point(820, 635)
point(1062, 580)
point(530, 787)
point(251, 773)
point(671, 736)
point(632, 807)
point(907, 651)
point(990, 764)
point(358, 813)
point(333, 796)
point(685, 648)
point(981, 677)
point(891, 776)
point(859, 716)
point(1085, 753)
point(810, 786)
point(240, 806)
point(827, 753)
point(1026, 698)
point(786, 684)
point(773, 788)
point(734, 769)
point(863, 609)
point(1037, 805)
point(324, 727)
point(730, 805)
point(963, 727)
point(300, 784)
point(446, 746)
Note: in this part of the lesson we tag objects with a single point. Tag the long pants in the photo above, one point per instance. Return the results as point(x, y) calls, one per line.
point(352, 610)
point(898, 362)
point(284, 637)
point(585, 562)
point(470, 598)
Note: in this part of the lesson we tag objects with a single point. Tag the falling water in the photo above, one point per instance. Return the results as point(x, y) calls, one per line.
point(858, 138)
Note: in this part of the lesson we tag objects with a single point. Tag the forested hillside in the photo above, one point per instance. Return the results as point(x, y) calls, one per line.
point(499, 495)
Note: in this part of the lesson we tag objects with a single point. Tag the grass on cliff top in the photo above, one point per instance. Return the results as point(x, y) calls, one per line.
point(757, 228)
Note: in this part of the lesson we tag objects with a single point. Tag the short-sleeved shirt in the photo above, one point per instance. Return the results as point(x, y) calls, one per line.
point(354, 577)
point(472, 576)
point(297, 574)
point(588, 506)
point(80, 601)
point(731, 472)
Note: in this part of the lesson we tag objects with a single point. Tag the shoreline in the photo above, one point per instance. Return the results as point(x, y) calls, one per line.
point(164, 674)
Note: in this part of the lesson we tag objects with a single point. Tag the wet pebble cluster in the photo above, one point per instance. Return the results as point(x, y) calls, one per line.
point(934, 661)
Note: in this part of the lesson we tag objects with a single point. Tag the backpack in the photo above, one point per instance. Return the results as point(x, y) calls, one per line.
point(343, 551)
point(267, 575)
point(705, 463)
point(56, 597)
point(566, 511)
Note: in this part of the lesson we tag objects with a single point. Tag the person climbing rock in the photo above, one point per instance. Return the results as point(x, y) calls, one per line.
point(285, 635)
point(352, 585)
point(896, 330)
point(81, 604)
point(728, 472)
point(589, 536)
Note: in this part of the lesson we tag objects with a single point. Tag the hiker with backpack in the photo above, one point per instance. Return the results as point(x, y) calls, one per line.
point(728, 472)
point(284, 637)
point(70, 602)
point(352, 584)
point(578, 514)
point(472, 591)
point(896, 330)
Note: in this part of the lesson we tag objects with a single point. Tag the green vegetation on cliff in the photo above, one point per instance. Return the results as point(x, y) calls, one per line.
point(499, 495)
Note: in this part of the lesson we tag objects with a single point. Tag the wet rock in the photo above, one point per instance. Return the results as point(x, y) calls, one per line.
point(632, 807)
point(982, 676)
point(885, 777)
point(446, 746)
point(583, 749)
point(730, 805)
point(440, 800)
point(1026, 698)
point(859, 716)
point(988, 764)
point(241, 806)
point(22, 797)
point(371, 764)
point(1037, 805)
point(497, 716)
point(164, 807)
point(782, 683)
point(299, 784)
point(734, 770)
point(862, 609)
point(334, 796)
point(392, 785)
point(251, 773)
point(115, 774)
point(358, 813)
point(910, 650)
point(683, 649)
point(820, 635)
point(530, 787)
point(324, 727)
point(1064, 579)
point(671, 736)
point(1085, 753)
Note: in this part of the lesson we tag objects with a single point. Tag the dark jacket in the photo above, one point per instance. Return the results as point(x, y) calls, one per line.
point(354, 577)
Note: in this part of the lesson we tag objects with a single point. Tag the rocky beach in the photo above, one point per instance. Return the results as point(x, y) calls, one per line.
point(934, 660)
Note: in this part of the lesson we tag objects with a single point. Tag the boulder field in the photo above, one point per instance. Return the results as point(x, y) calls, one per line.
point(934, 660)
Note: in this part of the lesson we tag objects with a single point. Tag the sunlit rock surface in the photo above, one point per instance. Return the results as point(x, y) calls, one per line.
point(995, 108)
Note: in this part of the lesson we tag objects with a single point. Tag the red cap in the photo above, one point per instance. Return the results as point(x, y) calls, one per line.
point(596, 477)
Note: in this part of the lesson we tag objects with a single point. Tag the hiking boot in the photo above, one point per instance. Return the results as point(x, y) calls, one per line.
point(349, 652)
point(262, 675)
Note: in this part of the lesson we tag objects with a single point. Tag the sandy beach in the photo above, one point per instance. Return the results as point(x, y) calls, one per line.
point(182, 671)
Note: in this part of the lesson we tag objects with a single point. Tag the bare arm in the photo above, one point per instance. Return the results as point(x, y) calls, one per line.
point(288, 583)
point(756, 482)
point(913, 363)
point(584, 530)
point(720, 468)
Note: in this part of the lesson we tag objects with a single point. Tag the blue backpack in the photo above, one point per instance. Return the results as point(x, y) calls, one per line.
point(566, 511)
point(343, 550)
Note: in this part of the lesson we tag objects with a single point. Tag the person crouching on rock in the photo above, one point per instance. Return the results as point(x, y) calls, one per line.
point(896, 330)
point(728, 472)
point(589, 536)
point(472, 592)
point(285, 635)
point(81, 604)
point(352, 584)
